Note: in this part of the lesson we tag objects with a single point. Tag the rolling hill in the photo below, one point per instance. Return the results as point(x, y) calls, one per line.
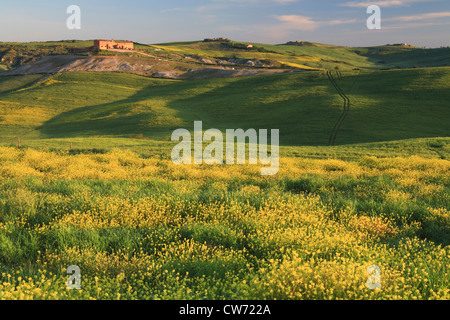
point(363, 173)
point(385, 105)
point(386, 100)
point(229, 54)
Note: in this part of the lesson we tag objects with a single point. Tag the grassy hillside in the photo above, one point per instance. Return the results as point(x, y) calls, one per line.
point(14, 54)
point(305, 56)
point(141, 227)
point(148, 229)
point(405, 57)
point(320, 56)
point(384, 105)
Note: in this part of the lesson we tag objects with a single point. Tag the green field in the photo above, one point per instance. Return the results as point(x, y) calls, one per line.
point(320, 56)
point(307, 56)
point(141, 227)
point(385, 106)
point(144, 228)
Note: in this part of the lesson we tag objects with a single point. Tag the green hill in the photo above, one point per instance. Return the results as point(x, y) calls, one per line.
point(308, 55)
point(384, 105)
point(392, 93)
point(321, 56)
point(362, 181)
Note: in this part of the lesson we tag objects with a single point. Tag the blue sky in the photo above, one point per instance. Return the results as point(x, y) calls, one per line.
point(339, 22)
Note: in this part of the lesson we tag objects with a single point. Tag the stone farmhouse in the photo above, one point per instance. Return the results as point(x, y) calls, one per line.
point(111, 44)
point(105, 45)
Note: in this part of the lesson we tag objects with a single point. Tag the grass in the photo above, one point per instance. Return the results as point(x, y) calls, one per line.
point(93, 185)
point(11, 83)
point(148, 229)
point(392, 57)
point(321, 56)
point(309, 56)
point(385, 105)
point(438, 148)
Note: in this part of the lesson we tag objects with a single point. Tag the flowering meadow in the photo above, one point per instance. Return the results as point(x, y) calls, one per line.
point(141, 228)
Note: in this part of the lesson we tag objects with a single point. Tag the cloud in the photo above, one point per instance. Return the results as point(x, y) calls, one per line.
point(337, 22)
point(419, 20)
point(424, 16)
point(383, 3)
point(413, 25)
point(303, 23)
point(258, 1)
point(216, 5)
point(297, 22)
point(416, 21)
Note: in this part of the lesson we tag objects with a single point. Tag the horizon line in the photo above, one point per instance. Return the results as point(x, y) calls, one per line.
point(193, 41)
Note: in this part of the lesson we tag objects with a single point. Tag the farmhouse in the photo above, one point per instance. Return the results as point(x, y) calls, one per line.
point(111, 44)
point(401, 45)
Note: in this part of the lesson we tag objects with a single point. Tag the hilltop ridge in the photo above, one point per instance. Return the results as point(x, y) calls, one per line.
point(212, 58)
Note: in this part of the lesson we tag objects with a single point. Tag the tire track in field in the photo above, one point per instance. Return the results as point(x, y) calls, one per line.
point(345, 111)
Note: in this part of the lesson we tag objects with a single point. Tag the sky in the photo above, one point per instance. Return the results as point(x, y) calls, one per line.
point(424, 23)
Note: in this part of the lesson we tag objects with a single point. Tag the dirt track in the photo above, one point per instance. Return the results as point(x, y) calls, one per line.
point(345, 111)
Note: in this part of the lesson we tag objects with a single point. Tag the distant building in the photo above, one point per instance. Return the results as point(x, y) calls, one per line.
point(111, 44)
point(400, 44)
point(249, 46)
point(297, 42)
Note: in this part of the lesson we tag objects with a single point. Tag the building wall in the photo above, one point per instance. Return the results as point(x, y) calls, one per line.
point(106, 44)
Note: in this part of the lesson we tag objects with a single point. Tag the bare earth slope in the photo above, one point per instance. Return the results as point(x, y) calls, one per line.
point(156, 67)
